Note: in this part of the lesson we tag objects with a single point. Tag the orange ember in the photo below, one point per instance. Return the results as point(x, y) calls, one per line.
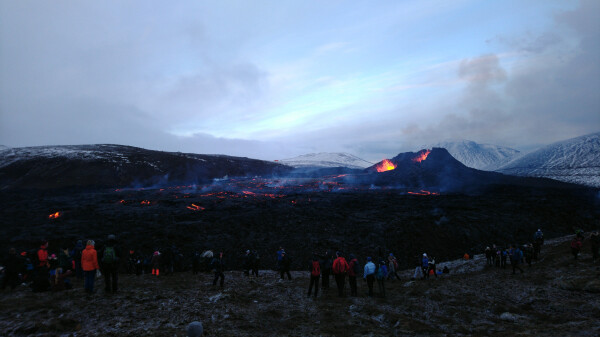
point(385, 165)
point(54, 215)
point(145, 202)
point(195, 207)
point(421, 156)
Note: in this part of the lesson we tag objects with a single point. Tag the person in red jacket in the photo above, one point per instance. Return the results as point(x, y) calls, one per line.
point(353, 270)
point(89, 264)
point(340, 268)
point(43, 255)
point(315, 273)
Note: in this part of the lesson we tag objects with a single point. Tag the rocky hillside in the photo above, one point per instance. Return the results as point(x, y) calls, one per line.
point(93, 166)
point(576, 160)
point(556, 296)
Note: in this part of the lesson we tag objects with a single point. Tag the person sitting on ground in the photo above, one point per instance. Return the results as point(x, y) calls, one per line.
point(446, 270)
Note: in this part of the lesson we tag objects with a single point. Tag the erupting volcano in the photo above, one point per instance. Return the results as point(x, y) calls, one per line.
point(422, 155)
point(54, 215)
point(385, 165)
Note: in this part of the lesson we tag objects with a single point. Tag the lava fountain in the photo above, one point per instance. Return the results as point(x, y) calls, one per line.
point(385, 165)
point(421, 155)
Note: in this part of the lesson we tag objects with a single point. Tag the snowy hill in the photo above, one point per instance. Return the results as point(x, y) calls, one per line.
point(479, 156)
point(325, 159)
point(118, 165)
point(575, 160)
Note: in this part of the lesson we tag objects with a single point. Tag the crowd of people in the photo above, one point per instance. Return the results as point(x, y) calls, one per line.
point(45, 271)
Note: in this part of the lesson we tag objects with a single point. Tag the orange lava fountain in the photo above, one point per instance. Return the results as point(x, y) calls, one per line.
point(421, 156)
point(385, 165)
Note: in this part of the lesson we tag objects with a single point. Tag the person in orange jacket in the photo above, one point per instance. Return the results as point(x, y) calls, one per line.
point(340, 268)
point(89, 264)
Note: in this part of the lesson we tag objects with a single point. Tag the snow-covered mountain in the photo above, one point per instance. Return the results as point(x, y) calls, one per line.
point(326, 159)
point(575, 160)
point(479, 156)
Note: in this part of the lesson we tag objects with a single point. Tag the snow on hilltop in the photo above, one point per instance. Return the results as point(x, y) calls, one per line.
point(575, 160)
point(325, 159)
point(479, 156)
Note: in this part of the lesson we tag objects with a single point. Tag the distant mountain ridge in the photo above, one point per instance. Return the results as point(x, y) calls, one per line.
point(479, 156)
point(107, 165)
point(327, 160)
point(575, 160)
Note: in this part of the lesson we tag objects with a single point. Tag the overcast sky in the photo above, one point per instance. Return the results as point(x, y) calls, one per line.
point(276, 79)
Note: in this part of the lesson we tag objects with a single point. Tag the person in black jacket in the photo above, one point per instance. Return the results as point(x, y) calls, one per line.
point(218, 264)
point(285, 266)
point(13, 265)
point(109, 259)
point(326, 264)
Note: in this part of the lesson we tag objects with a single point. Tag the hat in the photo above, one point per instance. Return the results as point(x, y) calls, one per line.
point(248, 251)
point(91, 243)
point(369, 258)
point(156, 252)
point(53, 256)
point(424, 254)
point(391, 254)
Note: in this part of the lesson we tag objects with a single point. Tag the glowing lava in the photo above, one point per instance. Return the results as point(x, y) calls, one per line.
point(422, 155)
point(54, 215)
point(145, 202)
point(385, 165)
point(195, 207)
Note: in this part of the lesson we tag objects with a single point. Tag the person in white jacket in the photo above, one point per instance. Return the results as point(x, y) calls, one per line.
point(369, 275)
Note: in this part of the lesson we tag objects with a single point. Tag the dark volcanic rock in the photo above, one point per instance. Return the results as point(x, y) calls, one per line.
point(94, 166)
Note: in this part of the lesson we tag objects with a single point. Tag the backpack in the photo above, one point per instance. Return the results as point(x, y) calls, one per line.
point(109, 255)
point(379, 274)
point(340, 268)
point(316, 268)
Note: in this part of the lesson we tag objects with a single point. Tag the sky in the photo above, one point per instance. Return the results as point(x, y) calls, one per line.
point(277, 79)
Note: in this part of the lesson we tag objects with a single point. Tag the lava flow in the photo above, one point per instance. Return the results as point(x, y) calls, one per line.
point(54, 215)
point(385, 165)
point(421, 156)
point(423, 192)
point(195, 207)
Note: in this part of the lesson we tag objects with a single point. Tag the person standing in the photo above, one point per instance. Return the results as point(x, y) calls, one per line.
point(155, 263)
point(369, 275)
point(425, 266)
point(516, 255)
point(325, 271)
point(285, 266)
point(392, 267)
point(353, 271)
point(340, 268)
point(576, 246)
point(89, 264)
point(77, 258)
point(380, 275)
point(110, 265)
point(595, 244)
point(218, 264)
point(255, 263)
point(315, 273)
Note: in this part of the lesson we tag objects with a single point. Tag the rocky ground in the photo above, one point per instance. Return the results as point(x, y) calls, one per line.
point(557, 296)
